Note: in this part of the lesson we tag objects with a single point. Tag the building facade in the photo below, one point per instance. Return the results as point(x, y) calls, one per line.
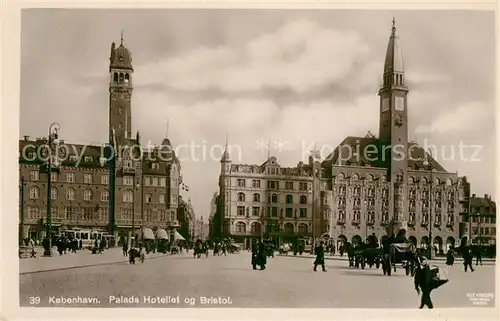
point(368, 185)
point(114, 187)
point(265, 200)
point(185, 214)
point(482, 220)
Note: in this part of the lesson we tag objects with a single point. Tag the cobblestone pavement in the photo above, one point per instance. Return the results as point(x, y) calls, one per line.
point(288, 282)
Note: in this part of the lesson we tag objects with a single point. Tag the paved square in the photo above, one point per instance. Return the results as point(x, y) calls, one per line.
point(288, 282)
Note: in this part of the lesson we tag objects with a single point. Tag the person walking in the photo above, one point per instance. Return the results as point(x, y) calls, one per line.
point(450, 258)
point(422, 281)
point(467, 255)
point(262, 256)
point(255, 255)
point(125, 248)
point(479, 258)
point(320, 257)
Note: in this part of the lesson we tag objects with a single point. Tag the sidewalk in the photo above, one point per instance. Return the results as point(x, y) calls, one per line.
point(486, 261)
point(82, 258)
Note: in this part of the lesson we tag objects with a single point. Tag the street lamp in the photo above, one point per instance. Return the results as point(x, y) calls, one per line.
point(21, 207)
point(429, 166)
point(53, 141)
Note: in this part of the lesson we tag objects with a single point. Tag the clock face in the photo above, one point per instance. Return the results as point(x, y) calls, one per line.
point(400, 103)
point(385, 104)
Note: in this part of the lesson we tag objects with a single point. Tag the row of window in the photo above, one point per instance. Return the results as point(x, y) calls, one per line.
point(484, 231)
point(89, 179)
point(256, 183)
point(383, 178)
point(97, 214)
point(274, 198)
point(385, 217)
point(412, 193)
point(88, 195)
point(271, 211)
point(255, 227)
point(484, 219)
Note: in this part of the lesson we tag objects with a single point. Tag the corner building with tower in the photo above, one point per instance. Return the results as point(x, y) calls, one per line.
point(136, 190)
point(368, 185)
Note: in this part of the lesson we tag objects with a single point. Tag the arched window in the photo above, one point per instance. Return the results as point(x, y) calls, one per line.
point(288, 228)
point(385, 217)
point(449, 182)
point(87, 195)
point(274, 198)
point(341, 176)
point(53, 193)
point(411, 217)
point(383, 178)
point(121, 77)
point(256, 197)
point(385, 193)
point(127, 78)
point(289, 199)
point(357, 191)
point(355, 177)
point(303, 228)
point(424, 180)
point(70, 194)
point(128, 196)
point(371, 191)
point(115, 77)
point(371, 202)
point(411, 180)
point(34, 193)
point(437, 181)
point(241, 197)
point(303, 199)
point(369, 177)
point(241, 227)
point(104, 196)
point(342, 216)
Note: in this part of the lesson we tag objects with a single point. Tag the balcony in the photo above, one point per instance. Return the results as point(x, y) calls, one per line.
point(411, 223)
point(370, 222)
point(424, 223)
point(341, 221)
point(437, 223)
point(355, 222)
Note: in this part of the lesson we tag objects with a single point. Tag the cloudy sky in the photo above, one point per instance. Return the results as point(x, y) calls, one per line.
point(290, 77)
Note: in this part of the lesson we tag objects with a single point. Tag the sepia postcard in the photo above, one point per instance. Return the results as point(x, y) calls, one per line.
point(265, 157)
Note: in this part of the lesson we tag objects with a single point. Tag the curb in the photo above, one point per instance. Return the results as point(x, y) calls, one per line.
point(85, 266)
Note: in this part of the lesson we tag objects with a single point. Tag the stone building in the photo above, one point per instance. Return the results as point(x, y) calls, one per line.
point(482, 220)
point(368, 185)
point(387, 182)
point(93, 191)
point(185, 214)
point(264, 200)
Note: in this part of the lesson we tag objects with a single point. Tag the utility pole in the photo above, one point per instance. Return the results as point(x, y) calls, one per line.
point(21, 207)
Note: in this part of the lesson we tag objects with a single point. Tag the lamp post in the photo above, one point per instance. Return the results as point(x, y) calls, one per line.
point(53, 140)
point(427, 164)
point(21, 209)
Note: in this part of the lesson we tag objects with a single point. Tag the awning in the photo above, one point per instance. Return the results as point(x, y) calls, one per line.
point(147, 234)
point(178, 236)
point(161, 234)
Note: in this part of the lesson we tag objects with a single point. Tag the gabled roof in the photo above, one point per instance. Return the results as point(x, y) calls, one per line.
point(362, 151)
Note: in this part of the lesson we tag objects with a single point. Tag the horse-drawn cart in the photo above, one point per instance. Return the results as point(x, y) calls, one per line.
point(400, 253)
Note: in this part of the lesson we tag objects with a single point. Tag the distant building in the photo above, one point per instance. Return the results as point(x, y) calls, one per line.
point(185, 214)
point(139, 187)
point(482, 220)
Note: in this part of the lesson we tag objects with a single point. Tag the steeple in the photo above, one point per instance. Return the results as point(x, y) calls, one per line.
point(121, 38)
point(226, 158)
point(393, 67)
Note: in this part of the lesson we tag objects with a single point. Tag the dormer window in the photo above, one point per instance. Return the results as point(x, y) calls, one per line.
point(121, 59)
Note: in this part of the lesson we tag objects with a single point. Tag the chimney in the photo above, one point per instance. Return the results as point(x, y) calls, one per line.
point(26, 138)
point(473, 195)
point(487, 197)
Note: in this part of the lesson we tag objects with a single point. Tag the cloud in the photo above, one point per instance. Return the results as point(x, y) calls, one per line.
point(466, 117)
point(301, 56)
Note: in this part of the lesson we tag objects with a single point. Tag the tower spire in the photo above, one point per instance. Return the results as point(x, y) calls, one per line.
point(121, 37)
point(268, 148)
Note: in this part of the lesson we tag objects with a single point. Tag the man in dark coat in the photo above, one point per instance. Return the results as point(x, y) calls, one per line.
point(125, 248)
point(467, 255)
point(479, 258)
point(255, 255)
point(320, 257)
point(262, 256)
point(423, 278)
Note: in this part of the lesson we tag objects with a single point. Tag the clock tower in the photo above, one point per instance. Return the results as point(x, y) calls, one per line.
point(120, 93)
point(393, 130)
